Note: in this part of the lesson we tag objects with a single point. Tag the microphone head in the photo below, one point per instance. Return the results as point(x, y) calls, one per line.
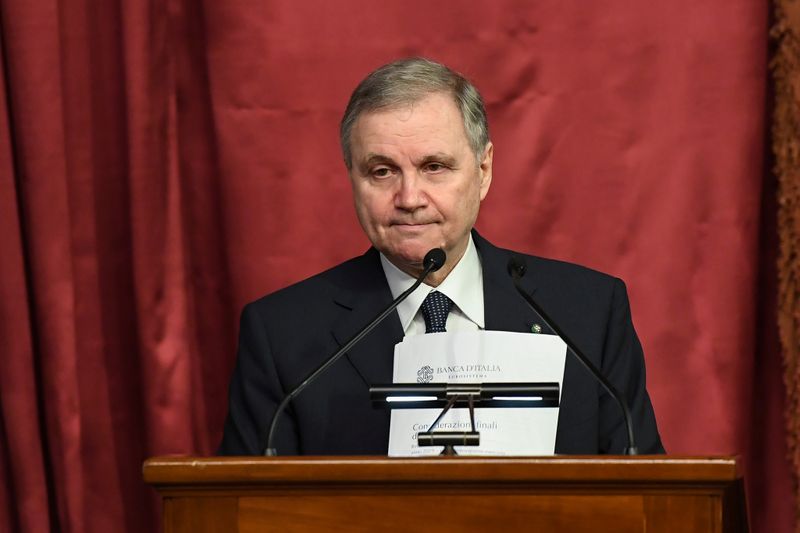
point(435, 259)
point(516, 267)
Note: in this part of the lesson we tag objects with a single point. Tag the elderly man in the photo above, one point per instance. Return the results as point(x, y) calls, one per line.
point(416, 144)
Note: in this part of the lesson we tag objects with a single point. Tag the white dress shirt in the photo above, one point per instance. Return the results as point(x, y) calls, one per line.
point(463, 285)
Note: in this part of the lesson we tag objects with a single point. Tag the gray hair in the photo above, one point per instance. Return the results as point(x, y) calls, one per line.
point(407, 81)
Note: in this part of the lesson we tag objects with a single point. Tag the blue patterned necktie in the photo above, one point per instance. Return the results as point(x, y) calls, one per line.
point(435, 309)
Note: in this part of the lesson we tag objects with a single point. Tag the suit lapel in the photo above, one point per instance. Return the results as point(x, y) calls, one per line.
point(365, 295)
point(504, 309)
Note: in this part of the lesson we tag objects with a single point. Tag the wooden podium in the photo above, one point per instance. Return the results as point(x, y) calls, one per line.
point(569, 494)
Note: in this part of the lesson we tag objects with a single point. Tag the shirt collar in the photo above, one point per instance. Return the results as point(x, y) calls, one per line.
point(463, 285)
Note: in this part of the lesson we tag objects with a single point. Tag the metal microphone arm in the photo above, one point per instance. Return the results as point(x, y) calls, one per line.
point(517, 269)
point(433, 261)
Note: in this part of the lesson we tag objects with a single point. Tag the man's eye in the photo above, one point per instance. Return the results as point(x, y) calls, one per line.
point(381, 172)
point(434, 167)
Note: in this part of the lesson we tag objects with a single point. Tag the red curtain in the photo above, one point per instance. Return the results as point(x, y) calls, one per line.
point(164, 162)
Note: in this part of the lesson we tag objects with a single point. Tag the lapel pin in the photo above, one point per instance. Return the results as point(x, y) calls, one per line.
point(536, 328)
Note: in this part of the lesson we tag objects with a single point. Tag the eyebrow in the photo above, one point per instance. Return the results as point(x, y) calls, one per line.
point(375, 159)
point(438, 157)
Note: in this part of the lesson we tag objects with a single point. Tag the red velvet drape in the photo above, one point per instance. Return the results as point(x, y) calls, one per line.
point(163, 162)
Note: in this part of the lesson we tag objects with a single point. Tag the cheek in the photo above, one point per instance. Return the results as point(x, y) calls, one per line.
point(465, 201)
point(369, 208)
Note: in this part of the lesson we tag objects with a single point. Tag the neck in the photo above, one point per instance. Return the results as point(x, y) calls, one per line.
point(435, 279)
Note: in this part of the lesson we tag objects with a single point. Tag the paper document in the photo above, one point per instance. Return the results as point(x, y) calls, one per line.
point(479, 357)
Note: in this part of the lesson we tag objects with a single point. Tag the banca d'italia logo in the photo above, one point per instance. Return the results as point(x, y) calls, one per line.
point(425, 374)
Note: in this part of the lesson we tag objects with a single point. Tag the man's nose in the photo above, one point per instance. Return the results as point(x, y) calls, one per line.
point(411, 193)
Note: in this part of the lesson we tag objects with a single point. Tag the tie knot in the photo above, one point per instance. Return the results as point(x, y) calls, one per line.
point(435, 309)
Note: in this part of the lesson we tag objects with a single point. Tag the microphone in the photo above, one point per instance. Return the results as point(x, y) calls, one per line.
point(516, 269)
point(433, 261)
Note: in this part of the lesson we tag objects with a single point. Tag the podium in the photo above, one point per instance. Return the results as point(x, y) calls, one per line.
point(572, 493)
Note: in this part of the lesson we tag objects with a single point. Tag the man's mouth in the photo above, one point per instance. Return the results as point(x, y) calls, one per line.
point(415, 226)
point(409, 224)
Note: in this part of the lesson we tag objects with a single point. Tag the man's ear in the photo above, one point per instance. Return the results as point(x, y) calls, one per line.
point(485, 169)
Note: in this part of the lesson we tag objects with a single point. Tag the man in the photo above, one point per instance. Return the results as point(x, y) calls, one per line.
point(416, 145)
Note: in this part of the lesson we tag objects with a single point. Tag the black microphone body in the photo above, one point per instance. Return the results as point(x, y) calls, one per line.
point(433, 261)
point(516, 269)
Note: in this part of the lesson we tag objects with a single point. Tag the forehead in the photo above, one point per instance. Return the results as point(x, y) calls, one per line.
point(434, 119)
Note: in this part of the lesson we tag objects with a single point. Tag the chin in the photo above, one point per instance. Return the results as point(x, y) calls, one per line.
point(409, 256)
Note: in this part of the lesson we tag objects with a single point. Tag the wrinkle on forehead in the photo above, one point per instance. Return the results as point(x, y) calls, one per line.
point(425, 128)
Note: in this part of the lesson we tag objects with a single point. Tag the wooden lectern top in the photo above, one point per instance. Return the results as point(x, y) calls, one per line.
point(657, 468)
point(569, 493)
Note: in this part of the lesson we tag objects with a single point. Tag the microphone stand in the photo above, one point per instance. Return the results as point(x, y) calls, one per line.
point(433, 261)
point(516, 268)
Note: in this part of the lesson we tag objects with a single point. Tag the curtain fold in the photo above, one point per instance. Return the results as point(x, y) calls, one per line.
point(24, 480)
point(92, 155)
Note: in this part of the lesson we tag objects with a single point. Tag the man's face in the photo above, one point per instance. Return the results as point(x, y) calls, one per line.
point(416, 183)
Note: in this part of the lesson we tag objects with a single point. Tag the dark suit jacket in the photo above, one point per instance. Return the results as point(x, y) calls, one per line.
point(287, 334)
